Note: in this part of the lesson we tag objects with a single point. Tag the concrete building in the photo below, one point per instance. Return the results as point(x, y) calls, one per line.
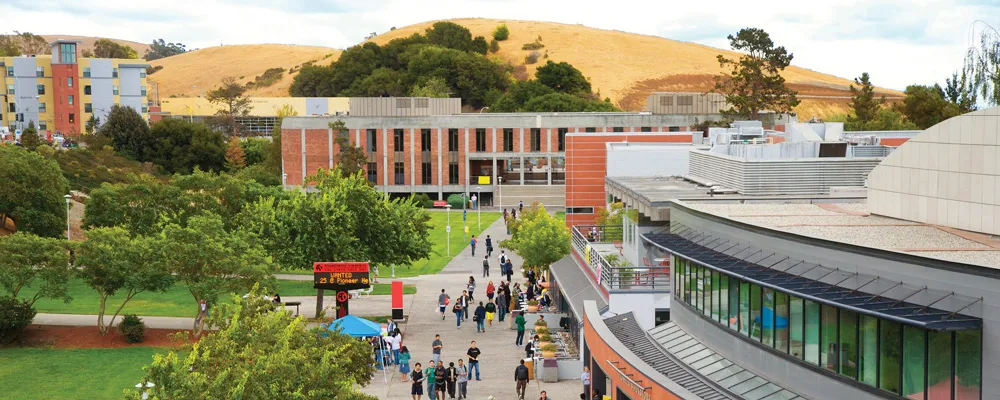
point(61, 91)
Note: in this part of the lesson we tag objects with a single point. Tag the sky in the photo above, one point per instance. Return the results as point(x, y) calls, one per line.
point(897, 42)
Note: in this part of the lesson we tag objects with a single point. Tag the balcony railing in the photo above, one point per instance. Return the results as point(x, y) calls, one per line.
point(595, 243)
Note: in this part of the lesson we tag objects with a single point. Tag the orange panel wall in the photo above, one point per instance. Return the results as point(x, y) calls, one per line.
point(601, 354)
point(61, 92)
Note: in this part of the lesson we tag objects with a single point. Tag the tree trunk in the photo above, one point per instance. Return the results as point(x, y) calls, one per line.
point(199, 322)
point(103, 329)
point(120, 307)
point(319, 303)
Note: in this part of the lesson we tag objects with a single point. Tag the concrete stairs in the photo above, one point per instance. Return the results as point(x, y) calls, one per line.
point(553, 197)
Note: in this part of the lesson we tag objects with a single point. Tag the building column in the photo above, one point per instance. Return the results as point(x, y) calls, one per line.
point(329, 141)
point(522, 170)
point(440, 167)
point(548, 173)
point(413, 159)
point(468, 172)
point(385, 158)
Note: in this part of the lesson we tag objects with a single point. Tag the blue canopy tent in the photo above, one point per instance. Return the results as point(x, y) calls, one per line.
point(356, 327)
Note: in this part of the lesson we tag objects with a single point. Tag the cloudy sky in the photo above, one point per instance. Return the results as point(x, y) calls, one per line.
point(897, 42)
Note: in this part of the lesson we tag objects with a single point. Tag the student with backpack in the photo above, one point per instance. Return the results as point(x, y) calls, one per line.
point(489, 246)
point(486, 265)
point(472, 243)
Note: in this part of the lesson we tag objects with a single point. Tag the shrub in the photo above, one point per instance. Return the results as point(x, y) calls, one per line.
point(133, 328)
point(531, 58)
point(457, 201)
point(545, 338)
point(550, 347)
point(15, 315)
point(536, 45)
point(501, 33)
point(494, 46)
point(268, 78)
point(542, 330)
point(541, 322)
point(423, 200)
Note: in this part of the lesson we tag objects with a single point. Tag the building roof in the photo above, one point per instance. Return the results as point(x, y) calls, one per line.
point(58, 41)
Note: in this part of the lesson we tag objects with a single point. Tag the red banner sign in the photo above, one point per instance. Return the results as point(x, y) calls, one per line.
point(341, 275)
point(340, 267)
point(440, 203)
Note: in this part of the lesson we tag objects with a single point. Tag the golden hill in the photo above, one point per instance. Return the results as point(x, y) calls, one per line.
point(88, 42)
point(195, 72)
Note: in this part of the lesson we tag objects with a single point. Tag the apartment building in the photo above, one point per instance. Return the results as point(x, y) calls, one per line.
point(61, 91)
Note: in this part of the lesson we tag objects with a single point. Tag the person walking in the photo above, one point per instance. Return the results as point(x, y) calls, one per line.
point(521, 377)
point(501, 304)
point(395, 341)
point(436, 347)
point(404, 362)
point(520, 322)
point(544, 396)
point(466, 298)
point(458, 310)
point(520, 206)
point(491, 309)
point(440, 380)
point(486, 266)
point(472, 243)
point(490, 291)
point(417, 388)
point(510, 269)
point(431, 383)
point(451, 378)
point(513, 216)
point(463, 380)
point(489, 246)
point(443, 300)
point(390, 325)
point(473, 354)
point(480, 318)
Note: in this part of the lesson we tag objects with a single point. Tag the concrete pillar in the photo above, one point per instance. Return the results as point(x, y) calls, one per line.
point(414, 136)
point(303, 137)
point(329, 140)
point(548, 171)
point(440, 167)
point(385, 157)
point(522, 170)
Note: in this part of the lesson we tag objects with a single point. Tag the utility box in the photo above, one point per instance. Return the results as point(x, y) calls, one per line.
point(550, 370)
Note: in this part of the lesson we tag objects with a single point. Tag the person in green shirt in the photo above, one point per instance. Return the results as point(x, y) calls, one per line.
point(431, 382)
point(519, 321)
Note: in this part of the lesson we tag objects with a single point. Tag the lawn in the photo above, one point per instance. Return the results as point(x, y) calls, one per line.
point(439, 242)
point(176, 302)
point(39, 373)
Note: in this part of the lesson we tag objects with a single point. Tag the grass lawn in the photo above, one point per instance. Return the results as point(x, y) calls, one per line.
point(439, 242)
point(39, 373)
point(176, 302)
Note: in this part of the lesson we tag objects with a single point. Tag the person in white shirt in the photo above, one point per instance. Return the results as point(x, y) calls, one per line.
point(585, 377)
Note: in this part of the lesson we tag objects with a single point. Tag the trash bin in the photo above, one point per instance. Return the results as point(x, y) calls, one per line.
point(530, 363)
point(550, 370)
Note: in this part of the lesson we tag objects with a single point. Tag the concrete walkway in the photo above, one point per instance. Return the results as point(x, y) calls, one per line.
point(499, 353)
point(91, 320)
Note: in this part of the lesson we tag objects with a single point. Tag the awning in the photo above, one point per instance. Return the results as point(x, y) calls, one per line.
point(575, 286)
point(712, 253)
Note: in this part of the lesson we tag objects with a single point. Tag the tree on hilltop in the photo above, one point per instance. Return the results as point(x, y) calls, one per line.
point(754, 82)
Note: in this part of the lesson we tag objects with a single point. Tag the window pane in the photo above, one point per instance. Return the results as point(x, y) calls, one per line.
point(795, 327)
point(744, 322)
point(868, 343)
point(939, 366)
point(715, 296)
point(781, 322)
point(913, 362)
point(723, 299)
point(848, 343)
point(828, 338)
point(754, 319)
point(706, 286)
point(767, 318)
point(696, 287)
point(889, 355)
point(734, 303)
point(968, 364)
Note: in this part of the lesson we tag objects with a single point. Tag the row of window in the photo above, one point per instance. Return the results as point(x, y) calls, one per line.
point(11, 89)
point(399, 173)
point(40, 72)
point(535, 136)
point(901, 359)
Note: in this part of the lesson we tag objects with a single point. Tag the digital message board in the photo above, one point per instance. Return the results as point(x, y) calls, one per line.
point(341, 275)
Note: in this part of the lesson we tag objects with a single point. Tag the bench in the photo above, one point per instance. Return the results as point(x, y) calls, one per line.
point(618, 245)
point(294, 303)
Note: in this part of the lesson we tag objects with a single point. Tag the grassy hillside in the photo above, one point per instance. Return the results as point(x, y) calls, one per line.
point(191, 73)
point(88, 42)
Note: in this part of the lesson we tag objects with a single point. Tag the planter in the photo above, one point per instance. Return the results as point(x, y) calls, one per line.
point(532, 308)
point(548, 354)
point(541, 343)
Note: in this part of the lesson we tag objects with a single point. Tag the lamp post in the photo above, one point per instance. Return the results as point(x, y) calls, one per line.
point(448, 228)
point(499, 193)
point(465, 224)
point(284, 178)
point(479, 207)
point(67, 216)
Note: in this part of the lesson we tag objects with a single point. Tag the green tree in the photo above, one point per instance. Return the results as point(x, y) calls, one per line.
point(140, 207)
point(313, 81)
point(520, 93)
point(181, 146)
point(235, 158)
point(754, 83)
point(887, 119)
point(93, 123)
point(27, 260)
point(253, 354)
point(355, 64)
point(494, 46)
point(351, 159)
point(926, 106)
point(260, 174)
point(128, 132)
point(501, 33)
point(106, 48)
point(960, 92)
point(232, 97)
point(33, 190)
point(479, 45)
point(223, 194)
point(433, 87)
point(112, 262)
point(614, 216)
point(22, 43)
point(382, 82)
point(562, 102)
point(450, 35)
point(211, 261)
point(864, 104)
point(29, 137)
point(160, 49)
point(395, 53)
point(255, 150)
point(982, 66)
point(470, 75)
point(539, 238)
point(563, 78)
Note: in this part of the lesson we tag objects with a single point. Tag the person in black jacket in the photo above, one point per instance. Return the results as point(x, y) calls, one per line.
point(521, 377)
point(451, 377)
point(440, 377)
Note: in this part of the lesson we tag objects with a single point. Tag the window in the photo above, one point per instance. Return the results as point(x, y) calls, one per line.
point(913, 360)
point(12, 107)
point(39, 72)
point(767, 318)
point(398, 169)
point(372, 140)
point(452, 139)
point(480, 139)
point(674, 129)
point(425, 140)
point(397, 140)
point(590, 129)
point(114, 90)
point(425, 173)
point(67, 53)
point(661, 316)
point(781, 321)
point(69, 81)
point(508, 139)
point(142, 72)
point(72, 118)
point(142, 90)
point(114, 72)
point(744, 308)
point(715, 295)
point(795, 327)
point(828, 338)
point(685, 100)
point(580, 210)
point(373, 172)
point(86, 90)
point(88, 107)
point(968, 364)
point(812, 332)
point(41, 89)
point(848, 344)
point(421, 103)
point(536, 139)
point(755, 314)
point(43, 126)
point(890, 354)
point(645, 129)
point(69, 99)
point(666, 101)
point(734, 303)
point(868, 350)
point(144, 108)
point(453, 173)
point(10, 71)
point(10, 88)
point(618, 129)
point(42, 108)
point(86, 72)
point(562, 138)
point(402, 103)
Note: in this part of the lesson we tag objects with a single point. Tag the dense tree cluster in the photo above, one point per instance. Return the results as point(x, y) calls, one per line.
point(922, 107)
point(33, 190)
point(160, 49)
point(557, 87)
point(22, 44)
point(107, 48)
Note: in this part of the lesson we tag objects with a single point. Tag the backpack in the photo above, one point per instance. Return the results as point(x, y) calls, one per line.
point(447, 300)
point(503, 258)
point(486, 263)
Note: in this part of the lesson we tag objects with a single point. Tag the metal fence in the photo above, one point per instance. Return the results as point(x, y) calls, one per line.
point(613, 276)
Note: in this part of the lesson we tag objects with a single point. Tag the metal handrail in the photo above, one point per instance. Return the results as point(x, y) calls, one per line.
point(610, 277)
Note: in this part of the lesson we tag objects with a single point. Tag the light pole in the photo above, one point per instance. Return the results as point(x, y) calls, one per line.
point(67, 216)
point(448, 228)
point(284, 178)
point(479, 207)
point(465, 224)
point(499, 193)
